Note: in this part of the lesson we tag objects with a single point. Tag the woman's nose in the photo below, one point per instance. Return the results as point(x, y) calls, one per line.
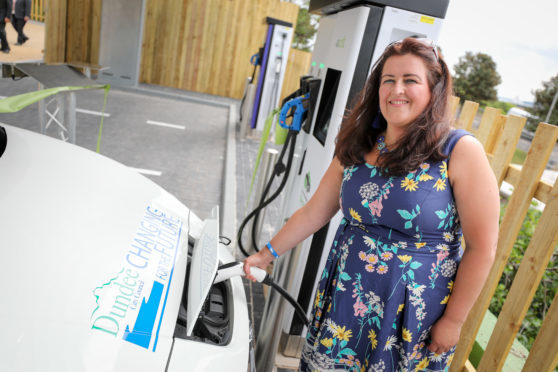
point(399, 87)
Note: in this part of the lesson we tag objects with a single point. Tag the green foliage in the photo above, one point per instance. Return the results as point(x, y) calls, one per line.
point(504, 106)
point(476, 77)
point(519, 156)
point(545, 292)
point(306, 28)
point(543, 100)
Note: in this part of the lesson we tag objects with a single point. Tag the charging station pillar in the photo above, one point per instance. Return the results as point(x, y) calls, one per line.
point(272, 70)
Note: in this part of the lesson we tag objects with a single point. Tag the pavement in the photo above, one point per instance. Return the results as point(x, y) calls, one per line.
point(32, 50)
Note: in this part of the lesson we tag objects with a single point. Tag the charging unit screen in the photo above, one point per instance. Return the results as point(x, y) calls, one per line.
point(331, 83)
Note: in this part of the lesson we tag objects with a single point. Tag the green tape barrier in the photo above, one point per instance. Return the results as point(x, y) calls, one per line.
point(263, 141)
point(107, 88)
point(16, 103)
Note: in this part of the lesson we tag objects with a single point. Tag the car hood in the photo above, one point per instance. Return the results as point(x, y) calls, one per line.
point(93, 260)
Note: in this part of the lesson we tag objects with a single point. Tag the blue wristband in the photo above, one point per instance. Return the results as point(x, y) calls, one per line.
point(268, 245)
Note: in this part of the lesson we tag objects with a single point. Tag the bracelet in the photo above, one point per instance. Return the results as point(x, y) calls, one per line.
point(268, 245)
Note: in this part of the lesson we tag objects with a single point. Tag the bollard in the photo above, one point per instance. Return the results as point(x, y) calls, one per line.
point(246, 108)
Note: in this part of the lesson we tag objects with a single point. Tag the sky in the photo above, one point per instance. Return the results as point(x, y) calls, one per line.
point(521, 37)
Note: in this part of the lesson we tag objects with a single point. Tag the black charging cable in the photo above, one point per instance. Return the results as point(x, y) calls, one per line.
point(279, 168)
point(232, 269)
point(298, 309)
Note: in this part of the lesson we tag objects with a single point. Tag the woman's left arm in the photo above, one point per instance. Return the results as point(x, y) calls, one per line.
point(477, 199)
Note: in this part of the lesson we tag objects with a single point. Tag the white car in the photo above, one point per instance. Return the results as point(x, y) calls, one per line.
point(103, 270)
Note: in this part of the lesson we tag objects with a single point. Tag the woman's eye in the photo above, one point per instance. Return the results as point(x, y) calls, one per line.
point(387, 81)
point(410, 81)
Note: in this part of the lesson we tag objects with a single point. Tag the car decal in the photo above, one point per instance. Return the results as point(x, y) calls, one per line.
point(130, 306)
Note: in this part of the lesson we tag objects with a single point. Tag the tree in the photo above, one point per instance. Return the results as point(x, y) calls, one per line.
point(476, 77)
point(543, 101)
point(306, 28)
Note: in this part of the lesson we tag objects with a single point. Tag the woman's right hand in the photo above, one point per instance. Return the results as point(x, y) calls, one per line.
point(260, 259)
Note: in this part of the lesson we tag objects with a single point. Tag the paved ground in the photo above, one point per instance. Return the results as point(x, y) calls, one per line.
point(32, 50)
point(187, 160)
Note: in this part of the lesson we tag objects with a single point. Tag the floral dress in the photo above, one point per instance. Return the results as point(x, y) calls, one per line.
point(389, 273)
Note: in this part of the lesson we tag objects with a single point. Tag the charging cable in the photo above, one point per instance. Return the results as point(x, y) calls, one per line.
point(233, 269)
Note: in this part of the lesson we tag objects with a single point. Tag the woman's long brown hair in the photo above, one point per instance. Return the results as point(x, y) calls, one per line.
point(424, 137)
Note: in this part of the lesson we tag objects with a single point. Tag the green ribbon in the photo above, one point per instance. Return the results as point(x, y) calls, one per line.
point(263, 141)
point(107, 88)
point(16, 103)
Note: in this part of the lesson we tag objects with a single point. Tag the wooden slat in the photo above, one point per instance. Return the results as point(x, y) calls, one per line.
point(519, 203)
point(543, 356)
point(496, 130)
point(488, 121)
point(468, 367)
point(533, 266)
point(95, 37)
point(55, 31)
point(467, 115)
point(454, 105)
point(542, 193)
point(506, 145)
point(37, 10)
point(204, 75)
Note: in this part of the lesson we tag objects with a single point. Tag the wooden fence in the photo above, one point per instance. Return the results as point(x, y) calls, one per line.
point(196, 45)
point(38, 10)
point(500, 134)
point(211, 44)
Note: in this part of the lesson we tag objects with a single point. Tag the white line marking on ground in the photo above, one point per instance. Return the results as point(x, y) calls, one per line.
point(96, 113)
point(161, 124)
point(148, 172)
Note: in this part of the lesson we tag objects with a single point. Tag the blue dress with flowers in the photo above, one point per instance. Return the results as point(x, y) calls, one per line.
point(389, 273)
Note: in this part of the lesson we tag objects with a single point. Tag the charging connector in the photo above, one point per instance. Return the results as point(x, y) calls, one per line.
point(232, 269)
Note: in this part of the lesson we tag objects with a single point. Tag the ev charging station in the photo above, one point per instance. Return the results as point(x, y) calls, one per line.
point(351, 37)
point(273, 63)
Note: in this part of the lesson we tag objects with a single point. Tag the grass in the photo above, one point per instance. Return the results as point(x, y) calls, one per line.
point(519, 156)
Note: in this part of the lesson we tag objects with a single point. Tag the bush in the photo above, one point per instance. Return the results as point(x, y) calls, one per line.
point(504, 106)
point(545, 292)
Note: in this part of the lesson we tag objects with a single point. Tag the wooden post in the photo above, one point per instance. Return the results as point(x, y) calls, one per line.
point(495, 132)
point(55, 31)
point(488, 121)
point(525, 283)
point(505, 148)
point(454, 105)
point(467, 115)
point(544, 353)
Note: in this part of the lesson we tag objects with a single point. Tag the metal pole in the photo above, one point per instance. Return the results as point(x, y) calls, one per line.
point(268, 163)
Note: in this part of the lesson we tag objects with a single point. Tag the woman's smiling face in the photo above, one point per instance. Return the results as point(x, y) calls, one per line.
point(404, 90)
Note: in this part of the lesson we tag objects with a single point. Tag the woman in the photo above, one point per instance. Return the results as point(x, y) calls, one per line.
point(408, 186)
